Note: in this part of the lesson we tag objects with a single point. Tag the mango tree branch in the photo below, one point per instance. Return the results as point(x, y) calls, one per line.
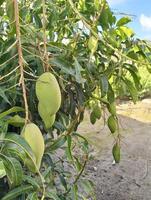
point(46, 58)
point(20, 58)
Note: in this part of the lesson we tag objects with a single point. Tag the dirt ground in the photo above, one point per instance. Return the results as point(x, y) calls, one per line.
point(131, 178)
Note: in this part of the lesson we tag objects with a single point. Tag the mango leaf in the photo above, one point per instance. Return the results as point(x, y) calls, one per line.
point(32, 196)
point(2, 94)
point(123, 21)
point(63, 181)
point(2, 169)
point(32, 181)
point(63, 65)
point(13, 194)
point(52, 195)
point(75, 192)
point(104, 85)
point(132, 89)
point(16, 121)
point(1, 2)
point(68, 150)
point(13, 170)
point(87, 186)
point(93, 44)
point(11, 110)
point(23, 146)
point(78, 70)
point(127, 31)
point(3, 128)
point(135, 77)
point(57, 143)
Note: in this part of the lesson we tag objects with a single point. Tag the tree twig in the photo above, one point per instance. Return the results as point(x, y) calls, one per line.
point(20, 55)
point(46, 58)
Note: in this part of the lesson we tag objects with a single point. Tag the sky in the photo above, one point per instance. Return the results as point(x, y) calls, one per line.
point(141, 9)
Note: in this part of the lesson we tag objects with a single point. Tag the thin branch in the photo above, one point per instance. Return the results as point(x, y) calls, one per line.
point(46, 58)
point(8, 74)
point(4, 63)
point(20, 55)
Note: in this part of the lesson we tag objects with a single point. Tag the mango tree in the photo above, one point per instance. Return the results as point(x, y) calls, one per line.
point(57, 59)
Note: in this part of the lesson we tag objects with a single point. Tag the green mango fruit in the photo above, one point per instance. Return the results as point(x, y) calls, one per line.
point(116, 152)
point(97, 111)
point(112, 124)
point(112, 108)
point(44, 114)
point(34, 138)
point(92, 118)
point(48, 93)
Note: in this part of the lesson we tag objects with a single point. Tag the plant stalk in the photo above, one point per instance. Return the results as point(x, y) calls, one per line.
point(20, 55)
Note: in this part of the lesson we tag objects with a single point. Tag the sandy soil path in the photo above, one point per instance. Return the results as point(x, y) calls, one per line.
point(131, 179)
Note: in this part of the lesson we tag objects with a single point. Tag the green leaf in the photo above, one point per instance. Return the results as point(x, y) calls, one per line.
point(87, 186)
point(93, 44)
point(57, 143)
point(52, 195)
point(16, 121)
point(127, 31)
point(3, 129)
point(21, 142)
point(69, 151)
point(3, 95)
point(132, 89)
point(11, 195)
point(2, 169)
point(32, 181)
point(135, 77)
point(123, 21)
point(32, 196)
point(11, 110)
point(104, 85)
point(63, 181)
point(116, 152)
point(13, 169)
point(78, 70)
point(1, 2)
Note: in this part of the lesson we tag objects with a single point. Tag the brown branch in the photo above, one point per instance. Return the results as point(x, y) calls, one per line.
point(73, 123)
point(46, 58)
point(20, 55)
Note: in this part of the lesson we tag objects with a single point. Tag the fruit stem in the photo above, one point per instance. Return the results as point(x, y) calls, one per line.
point(20, 55)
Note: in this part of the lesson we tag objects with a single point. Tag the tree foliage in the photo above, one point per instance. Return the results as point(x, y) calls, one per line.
point(90, 53)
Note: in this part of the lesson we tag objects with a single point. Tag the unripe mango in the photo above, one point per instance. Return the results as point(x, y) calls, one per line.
point(116, 152)
point(44, 114)
point(33, 136)
point(112, 108)
point(112, 124)
point(48, 93)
